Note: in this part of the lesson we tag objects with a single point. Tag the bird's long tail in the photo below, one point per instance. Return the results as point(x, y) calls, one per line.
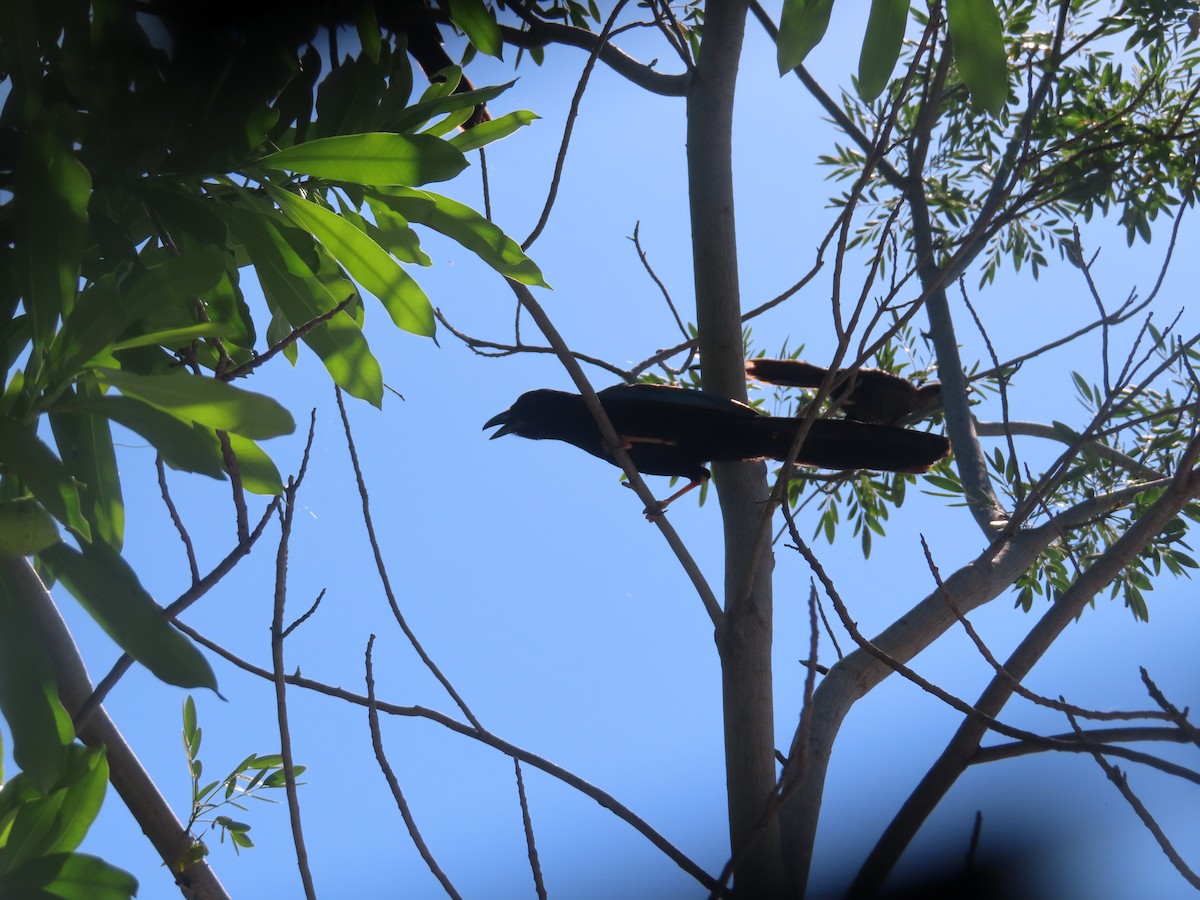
point(843, 444)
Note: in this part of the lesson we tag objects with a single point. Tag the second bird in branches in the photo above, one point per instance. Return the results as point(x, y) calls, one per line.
point(669, 430)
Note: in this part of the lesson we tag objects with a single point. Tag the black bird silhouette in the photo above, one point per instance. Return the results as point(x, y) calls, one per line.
point(670, 430)
point(866, 395)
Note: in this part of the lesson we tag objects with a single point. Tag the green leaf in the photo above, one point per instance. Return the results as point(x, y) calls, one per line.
point(183, 445)
point(458, 221)
point(881, 46)
point(37, 722)
point(440, 98)
point(259, 474)
point(802, 24)
point(292, 288)
point(86, 446)
point(175, 337)
point(367, 262)
point(69, 876)
point(108, 589)
point(43, 473)
point(486, 132)
point(473, 18)
point(979, 50)
point(377, 158)
point(84, 782)
point(51, 194)
point(207, 401)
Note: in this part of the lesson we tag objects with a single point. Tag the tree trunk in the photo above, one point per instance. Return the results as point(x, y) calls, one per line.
point(745, 637)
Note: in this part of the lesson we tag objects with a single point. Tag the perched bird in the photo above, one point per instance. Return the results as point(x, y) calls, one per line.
point(670, 430)
point(865, 395)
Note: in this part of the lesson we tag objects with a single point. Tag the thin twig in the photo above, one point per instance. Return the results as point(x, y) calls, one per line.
point(186, 599)
point(409, 822)
point(286, 515)
point(530, 845)
point(603, 798)
point(165, 491)
point(296, 333)
point(381, 568)
point(1118, 778)
point(572, 114)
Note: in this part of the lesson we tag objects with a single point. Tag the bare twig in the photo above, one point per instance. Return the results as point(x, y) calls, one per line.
point(572, 114)
point(381, 568)
point(530, 845)
point(165, 491)
point(296, 333)
point(409, 822)
point(277, 635)
point(604, 799)
point(1118, 778)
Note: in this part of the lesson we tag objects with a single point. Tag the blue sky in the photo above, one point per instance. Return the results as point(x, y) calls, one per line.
point(561, 616)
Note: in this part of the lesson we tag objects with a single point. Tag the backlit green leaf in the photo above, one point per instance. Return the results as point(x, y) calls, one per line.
point(802, 24)
point(376, 158)
point(295, 290)
point(39, 725)
point(881, 45)
point(43, 473)
point(487, 132)
point(207, 401)
point(979, 50)
point(480, 26)
point(108, 589)
point(458, 221)
point(367, 262)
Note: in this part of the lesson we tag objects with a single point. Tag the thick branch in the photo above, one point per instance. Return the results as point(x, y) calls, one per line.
point(958, 753)
point(152, 812)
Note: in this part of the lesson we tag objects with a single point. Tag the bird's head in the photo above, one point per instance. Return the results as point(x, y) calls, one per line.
point(537, 415)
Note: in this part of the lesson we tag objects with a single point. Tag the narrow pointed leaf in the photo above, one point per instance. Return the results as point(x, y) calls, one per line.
point(377, 158)
point(472, 17)
point(183, 445)
point(36, 720)
point(259, 474)
point(71, 876)
point(979, 50)
point(294, 290)
point(86, 446)
point(469, 228)
point(881, 45)
point(207, 401)
point(802, 24)
point(108, 589)
point(367, 262)
point(25, 456)
point(486, 132)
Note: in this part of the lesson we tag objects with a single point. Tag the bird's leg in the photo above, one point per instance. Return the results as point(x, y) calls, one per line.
point(652, 514)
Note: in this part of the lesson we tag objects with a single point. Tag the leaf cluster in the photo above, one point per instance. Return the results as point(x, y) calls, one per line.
point(155, 159)
point(247, 780)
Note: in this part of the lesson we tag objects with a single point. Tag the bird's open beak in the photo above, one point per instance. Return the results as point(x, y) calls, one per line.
point(502, 420)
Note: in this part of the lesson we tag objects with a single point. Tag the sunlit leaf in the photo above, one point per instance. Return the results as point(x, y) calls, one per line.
point(480, 26)
point(36, 720)
point(183, 445)
point(486, 132)
point(881, 45)
point(375, 158)
point(979, 50)
point(458, 221)
point(802, 24)
point(108, 589)
point(24, 455)
point(207, 401)
point(367, 262)
point(258, 472)
point(86, 446)
point(295, 290)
